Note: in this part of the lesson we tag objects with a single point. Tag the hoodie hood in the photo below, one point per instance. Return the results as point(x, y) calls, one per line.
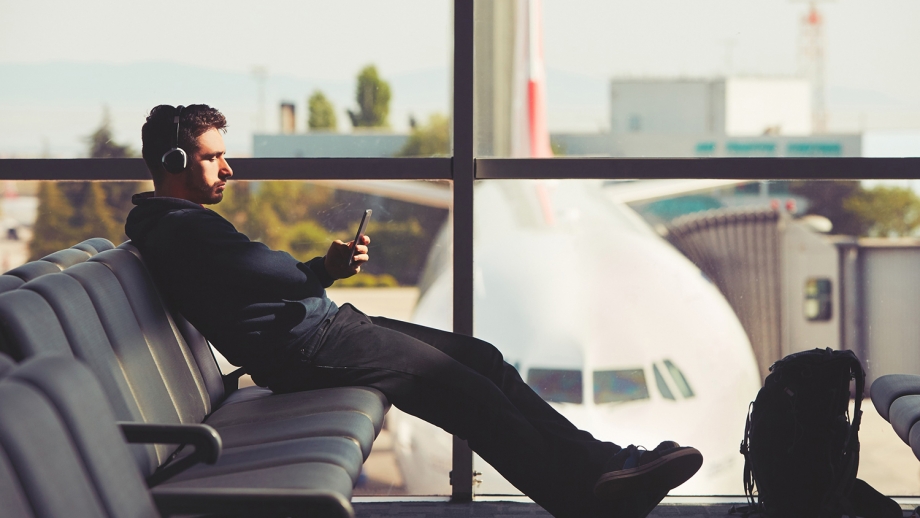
point(149, 210)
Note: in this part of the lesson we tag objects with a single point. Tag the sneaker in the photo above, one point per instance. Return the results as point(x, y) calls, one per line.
point(636, 470)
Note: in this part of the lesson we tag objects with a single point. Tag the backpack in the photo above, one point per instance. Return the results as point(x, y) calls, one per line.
point(800, 447)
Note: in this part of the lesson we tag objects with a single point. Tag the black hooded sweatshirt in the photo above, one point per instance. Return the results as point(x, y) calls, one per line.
point(254, 304)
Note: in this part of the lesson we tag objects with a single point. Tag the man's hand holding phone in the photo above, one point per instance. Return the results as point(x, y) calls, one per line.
point(345, 259)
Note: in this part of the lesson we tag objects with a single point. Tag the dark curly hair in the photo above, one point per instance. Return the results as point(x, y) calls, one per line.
point(159, 132)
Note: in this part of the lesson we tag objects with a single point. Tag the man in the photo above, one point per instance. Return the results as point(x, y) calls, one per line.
point(269, 313)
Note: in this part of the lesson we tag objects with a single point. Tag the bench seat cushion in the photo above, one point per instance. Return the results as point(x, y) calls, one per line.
point(904, 414)
point(351, 425)
point(316, 475)
point(338, 451)
point(283, 406)
point(886, 389)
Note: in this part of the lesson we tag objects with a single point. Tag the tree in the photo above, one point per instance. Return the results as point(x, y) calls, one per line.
point(429, 139)
point(52, 230)
point(69, 212)
point(826, 198)
point(886, 211)
point(322, 113)
point(101, 144)
point(373, 97)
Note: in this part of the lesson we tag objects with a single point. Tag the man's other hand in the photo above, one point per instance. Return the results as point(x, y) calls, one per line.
point(336, 261)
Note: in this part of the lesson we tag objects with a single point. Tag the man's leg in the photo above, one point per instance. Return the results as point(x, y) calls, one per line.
point(475, 396)
point(579, 453)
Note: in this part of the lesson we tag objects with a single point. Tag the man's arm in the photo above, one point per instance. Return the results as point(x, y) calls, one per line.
point(219, 254)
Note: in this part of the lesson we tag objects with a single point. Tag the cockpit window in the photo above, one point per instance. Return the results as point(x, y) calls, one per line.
point(662, 386)
point(682, 385)
point(556, 385)
point(621, 385)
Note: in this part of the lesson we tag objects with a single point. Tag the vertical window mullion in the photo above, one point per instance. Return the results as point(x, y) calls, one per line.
point(463, 173)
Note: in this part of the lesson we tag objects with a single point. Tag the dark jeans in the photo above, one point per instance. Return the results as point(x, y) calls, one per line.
point(462, 385)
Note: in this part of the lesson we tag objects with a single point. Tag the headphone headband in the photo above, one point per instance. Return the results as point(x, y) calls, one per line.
point(175, 160)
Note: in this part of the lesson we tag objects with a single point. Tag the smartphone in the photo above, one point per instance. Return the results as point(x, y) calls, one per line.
point(361, 228)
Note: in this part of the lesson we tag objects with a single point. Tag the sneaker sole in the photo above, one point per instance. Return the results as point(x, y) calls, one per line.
point(664, 473)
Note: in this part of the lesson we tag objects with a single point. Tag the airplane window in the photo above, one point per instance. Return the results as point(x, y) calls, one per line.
point(621, 385)
point(662, 386)
point(556, 385)
point(818, 305)
point(682, 385)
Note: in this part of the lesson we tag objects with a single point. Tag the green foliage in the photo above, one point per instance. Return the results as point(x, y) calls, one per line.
point(303, 219)
point(52, 230)
point(322, 113)
point(101, 144)
point(558, 148)
point(431, 139)
point(70, 212)
point(879, 212)
point(826, 198)
point(886, 211)
point(373, 97)
point(279, 215)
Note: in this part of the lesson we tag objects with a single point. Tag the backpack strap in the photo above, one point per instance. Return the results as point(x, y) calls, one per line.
point(837, 499)
point(748, 477)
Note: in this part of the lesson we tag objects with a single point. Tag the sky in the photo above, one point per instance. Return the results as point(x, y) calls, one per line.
point(872, 49)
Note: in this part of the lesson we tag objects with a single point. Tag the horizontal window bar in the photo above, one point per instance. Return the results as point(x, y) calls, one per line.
point(687, 168)
point(243, 169)
point(486, 168)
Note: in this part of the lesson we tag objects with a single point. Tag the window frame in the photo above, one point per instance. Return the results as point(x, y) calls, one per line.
point(463, 169)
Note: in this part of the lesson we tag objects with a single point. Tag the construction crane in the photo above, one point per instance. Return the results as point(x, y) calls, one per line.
point(812, 60)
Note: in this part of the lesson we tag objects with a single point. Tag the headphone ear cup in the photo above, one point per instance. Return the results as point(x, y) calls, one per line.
point(175, 160)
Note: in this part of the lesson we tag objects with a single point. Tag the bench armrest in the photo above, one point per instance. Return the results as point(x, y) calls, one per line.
point(232, 380)
point(252, 502)
point(202, 437)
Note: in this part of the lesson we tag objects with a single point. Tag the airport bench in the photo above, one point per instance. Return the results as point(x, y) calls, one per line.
point(104, 309)
point(897, 399)
point(62, 455)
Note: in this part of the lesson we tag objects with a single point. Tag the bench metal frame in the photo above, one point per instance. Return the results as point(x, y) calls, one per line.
point(463, 168)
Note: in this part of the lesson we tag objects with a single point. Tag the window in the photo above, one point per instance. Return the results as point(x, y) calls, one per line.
point(662, 384)
point(818, 305)
point(556, 385)
point(679, 380)
point(619, 386)
point(869, 112)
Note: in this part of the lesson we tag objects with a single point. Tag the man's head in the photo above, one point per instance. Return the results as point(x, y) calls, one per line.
point(200, 127)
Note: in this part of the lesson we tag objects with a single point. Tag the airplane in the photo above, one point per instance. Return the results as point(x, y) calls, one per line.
point(603, 318)
point(622, 333)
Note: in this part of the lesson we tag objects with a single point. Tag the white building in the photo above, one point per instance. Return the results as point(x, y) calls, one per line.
point(735, 106)
point(722, 117)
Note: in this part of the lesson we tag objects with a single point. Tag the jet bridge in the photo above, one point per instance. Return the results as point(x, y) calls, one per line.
point(779, 275)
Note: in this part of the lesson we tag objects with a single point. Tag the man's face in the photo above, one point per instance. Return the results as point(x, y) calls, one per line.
point(208, 169)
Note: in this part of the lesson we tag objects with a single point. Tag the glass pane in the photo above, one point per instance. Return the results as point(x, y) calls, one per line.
point(696, 79)
point(682, 385)
point(678, 305)
point(663, 387)
point(306, 78)
point(556, 385)
point(618, 386)
point(404, 279)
